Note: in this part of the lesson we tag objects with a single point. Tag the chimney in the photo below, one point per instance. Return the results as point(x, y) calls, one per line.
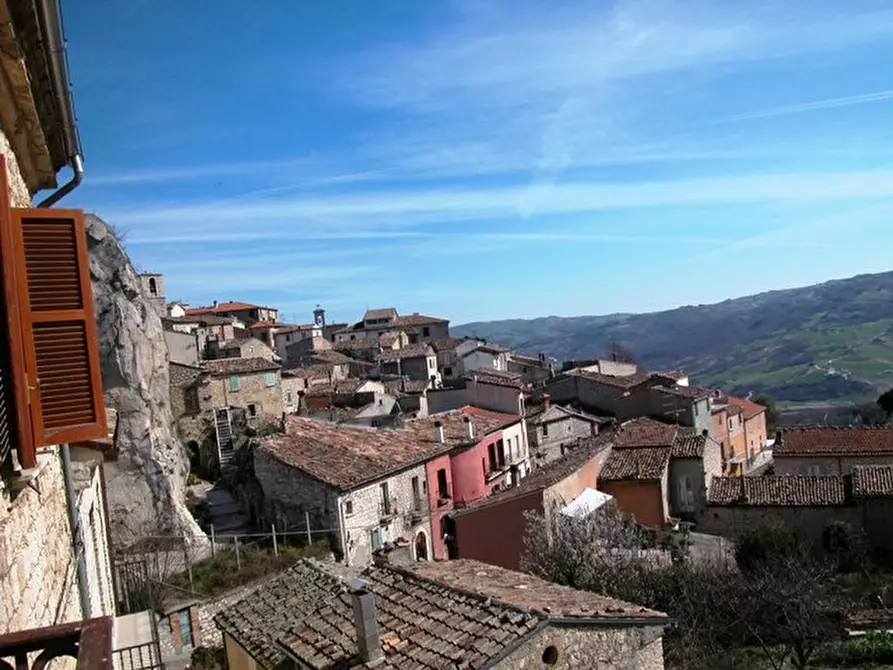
point(547, 401)
point(365, 622)
point(438, 431)
point(469, 428)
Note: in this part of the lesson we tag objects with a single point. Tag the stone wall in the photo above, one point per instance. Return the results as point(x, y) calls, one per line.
point(182, 347)
point(253, 390)
point(817, 465)
point(367, 516)
point(18, 191)
point(595, 648)
point(732, 520)
point(546, 445)
point(38, 583)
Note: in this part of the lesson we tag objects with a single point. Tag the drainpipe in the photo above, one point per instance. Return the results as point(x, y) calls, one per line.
point(77, 543)
point(51, 31)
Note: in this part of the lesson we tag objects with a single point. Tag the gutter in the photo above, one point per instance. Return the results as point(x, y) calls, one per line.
point(77, 543)
point(50, 17)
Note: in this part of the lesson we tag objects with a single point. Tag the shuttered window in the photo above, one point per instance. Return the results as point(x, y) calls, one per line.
point(55, 307)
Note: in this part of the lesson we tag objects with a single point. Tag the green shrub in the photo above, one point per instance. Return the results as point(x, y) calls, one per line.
point(845, 545)
point(857, 652)
point(207, 658)
point(767, 544)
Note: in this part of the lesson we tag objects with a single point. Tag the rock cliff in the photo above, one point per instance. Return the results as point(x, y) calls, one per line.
point(146, 484)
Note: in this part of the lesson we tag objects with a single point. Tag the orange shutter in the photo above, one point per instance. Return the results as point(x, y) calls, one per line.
point(15, 423)
point(58, 327)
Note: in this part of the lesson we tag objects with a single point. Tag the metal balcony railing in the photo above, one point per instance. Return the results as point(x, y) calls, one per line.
point(89, 641)
point(388, 508)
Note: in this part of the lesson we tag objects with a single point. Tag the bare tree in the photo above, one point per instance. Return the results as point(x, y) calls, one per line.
point(620, 354)
point(786, 608)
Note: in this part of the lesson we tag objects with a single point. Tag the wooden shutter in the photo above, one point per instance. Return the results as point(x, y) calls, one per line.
point(15, 422)
point(58, 329)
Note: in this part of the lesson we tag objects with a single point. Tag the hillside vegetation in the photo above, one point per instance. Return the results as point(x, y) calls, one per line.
point(831, 342)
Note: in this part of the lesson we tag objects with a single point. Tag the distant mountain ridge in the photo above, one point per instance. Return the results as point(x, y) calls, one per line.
point(830, 342)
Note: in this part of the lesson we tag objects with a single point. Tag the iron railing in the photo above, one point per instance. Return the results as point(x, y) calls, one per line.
point(89, 641)
point(139, 657)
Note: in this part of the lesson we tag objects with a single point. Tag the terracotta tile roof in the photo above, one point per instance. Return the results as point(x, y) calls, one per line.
point(818, 441)
point(409, 351)
point(239, 366)
point(751, 409)
point(645, 432)
point(414, 386)
point(675, 375)
point(528, 593)
point(269, 612)
point(445, 344)
point(282, 329)
point(538, 415)
point(351, 345)
point(263, 325)
point(639, 464)
point(692, 392)
point(445, 614)
point(347, 457)
point(417, 320)
point(224, 307)
point(578, 454)
point(624, 382)
point(200, 319)
point(184, 375)
point(496, 377)
point(309, 370)
point(381, 313)
point(689, 446)
point(778, 491)
point(873, 481)
point(389, 338)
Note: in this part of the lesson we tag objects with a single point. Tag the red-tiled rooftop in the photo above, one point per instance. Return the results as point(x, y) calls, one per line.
point(223, 307)
point(751, 409)
point(527, 592)
point(639, 464)
point(346, 457)
point(619, 381)
point(645, 432)
point(778, 491)
point(825, 441)
point(873, 481)
point(235, 366)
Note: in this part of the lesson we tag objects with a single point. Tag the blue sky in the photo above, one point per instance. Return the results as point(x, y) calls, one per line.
point(477, 159)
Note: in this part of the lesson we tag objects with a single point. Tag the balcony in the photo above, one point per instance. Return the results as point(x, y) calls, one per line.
point(90, 642)
point(387, 509)
point(417, 511)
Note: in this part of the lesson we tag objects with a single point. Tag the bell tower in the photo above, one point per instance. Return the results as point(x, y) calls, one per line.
point(319, 317)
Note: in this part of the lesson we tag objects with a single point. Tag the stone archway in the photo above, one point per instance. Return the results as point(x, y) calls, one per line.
point(421, 546)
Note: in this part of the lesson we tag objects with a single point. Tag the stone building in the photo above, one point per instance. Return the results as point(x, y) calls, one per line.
point(153, 290)
point(392, 617)
point(251, 383)
point(533, 369)
point(376, 322)
point(414, 361)
point(365, 489)
point(239, 347)
point(831, 451)
point(550, 428)
point(245, 312)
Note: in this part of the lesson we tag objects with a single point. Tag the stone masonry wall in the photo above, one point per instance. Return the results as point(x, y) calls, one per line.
point(601, 648)
point(366, 515)
point(790, 465)
point(38, 585)
point(252, 391)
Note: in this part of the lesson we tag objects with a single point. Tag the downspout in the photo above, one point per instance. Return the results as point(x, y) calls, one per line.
point(51, 30)
point(77, 543)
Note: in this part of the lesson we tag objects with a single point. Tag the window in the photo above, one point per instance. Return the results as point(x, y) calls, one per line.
point(416, 494)
point(375, 538)
point(353, 337)
point(442, 489)
point(153, 287)
point(185, 622)
point(385, 498)
point(234, 383)
point(269, 379)
point(348, 507)
point(730, 424)
point(496, 363)
point(288, 337)
point(814, 470)
point(500, 452)
point(431, 363)
point(426, 332)
point(252, 410)
point(545, 430)
point(448, 372)
point(491, 452)
point(53, 331)
point(288, 397)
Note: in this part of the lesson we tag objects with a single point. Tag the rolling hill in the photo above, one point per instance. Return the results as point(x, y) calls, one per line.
point(831, 342)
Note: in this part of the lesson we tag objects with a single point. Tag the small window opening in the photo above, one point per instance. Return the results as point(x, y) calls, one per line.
point(550, 655)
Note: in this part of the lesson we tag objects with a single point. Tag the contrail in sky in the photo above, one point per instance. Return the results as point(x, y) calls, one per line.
point(811, 106)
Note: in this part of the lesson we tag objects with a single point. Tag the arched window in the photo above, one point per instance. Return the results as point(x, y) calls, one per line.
point(153, 288)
